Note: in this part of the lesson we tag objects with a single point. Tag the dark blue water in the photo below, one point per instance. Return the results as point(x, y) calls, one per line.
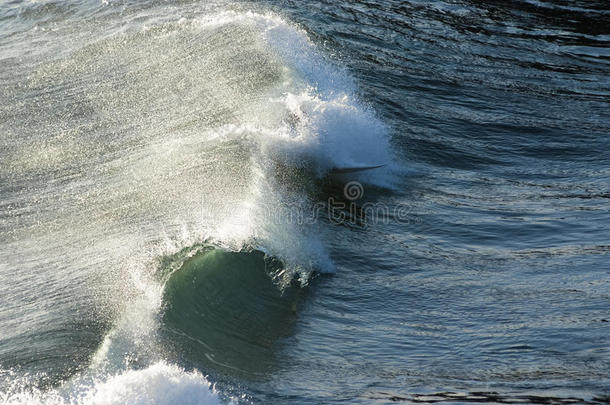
point(153, 156)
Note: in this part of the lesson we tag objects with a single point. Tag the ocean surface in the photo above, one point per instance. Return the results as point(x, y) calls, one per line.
point(173, 229)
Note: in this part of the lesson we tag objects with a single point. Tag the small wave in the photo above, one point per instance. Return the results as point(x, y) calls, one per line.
point(483, 397)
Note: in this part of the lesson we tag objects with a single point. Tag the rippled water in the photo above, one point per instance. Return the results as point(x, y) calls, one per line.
point(166, 190)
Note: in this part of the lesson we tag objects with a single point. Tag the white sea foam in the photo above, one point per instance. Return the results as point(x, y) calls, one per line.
point(161, 384)
point(333, 127)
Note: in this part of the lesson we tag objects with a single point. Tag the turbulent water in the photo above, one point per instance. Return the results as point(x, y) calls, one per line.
point(171, 230)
